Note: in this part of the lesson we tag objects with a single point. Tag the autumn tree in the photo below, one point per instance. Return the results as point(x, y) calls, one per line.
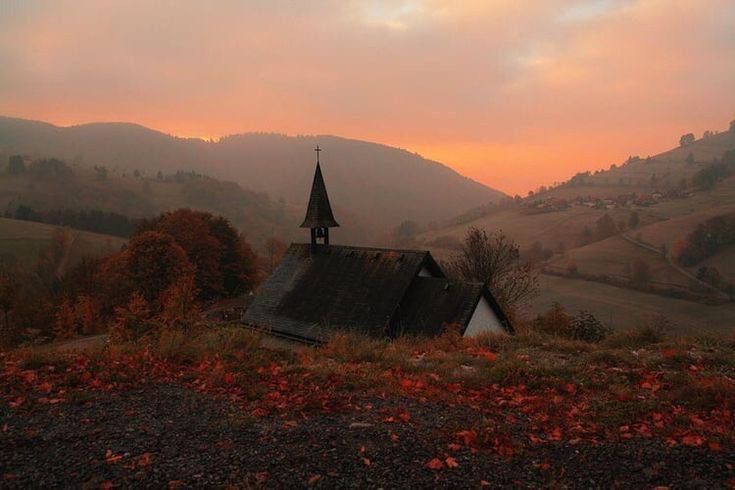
point(152, 262)
point(179, 304)
point(494, 259)
point(65, 326)
point(86, 315)
point(224, 265)
point(132, 320)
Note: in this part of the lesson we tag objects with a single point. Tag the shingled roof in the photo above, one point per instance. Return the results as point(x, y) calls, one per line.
point(379, 292)
point(319, 212)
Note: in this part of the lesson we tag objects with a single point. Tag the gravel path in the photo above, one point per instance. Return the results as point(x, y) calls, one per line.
point(166, 435)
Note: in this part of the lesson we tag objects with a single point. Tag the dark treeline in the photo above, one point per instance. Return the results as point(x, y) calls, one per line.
point(716, 172)
point(93, 220)
point(706, 240)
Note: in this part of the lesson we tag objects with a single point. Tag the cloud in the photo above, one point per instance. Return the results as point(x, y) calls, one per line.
point(515, 95)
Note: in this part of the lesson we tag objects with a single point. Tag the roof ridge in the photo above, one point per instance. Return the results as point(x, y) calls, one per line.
point(370, 249)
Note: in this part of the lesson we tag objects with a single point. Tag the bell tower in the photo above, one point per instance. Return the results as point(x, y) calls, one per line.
point(319, 217)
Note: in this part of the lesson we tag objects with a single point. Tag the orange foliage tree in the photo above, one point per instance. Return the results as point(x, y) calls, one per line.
point(224, 263)
point(152, 262)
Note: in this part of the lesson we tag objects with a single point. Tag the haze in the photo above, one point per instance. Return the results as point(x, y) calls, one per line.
point(511, 96)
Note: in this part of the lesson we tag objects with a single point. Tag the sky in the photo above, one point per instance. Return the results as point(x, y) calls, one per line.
point(514, 94)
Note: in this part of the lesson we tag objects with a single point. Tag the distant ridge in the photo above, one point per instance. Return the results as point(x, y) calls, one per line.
point(372, 186)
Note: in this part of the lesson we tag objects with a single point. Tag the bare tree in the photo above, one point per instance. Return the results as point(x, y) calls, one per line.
point(494, 259)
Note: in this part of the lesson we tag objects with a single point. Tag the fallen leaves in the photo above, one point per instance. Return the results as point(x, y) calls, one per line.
point(111, 457)
point(435, 464)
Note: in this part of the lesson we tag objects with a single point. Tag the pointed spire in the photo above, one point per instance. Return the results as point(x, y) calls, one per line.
point(319, 212)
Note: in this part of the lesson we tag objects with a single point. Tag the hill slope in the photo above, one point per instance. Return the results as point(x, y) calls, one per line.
point(83, 189)
point(23, 242)
point(661, 194)
point(371, 185)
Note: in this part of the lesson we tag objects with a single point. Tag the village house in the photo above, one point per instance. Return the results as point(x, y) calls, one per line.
point(319, 288)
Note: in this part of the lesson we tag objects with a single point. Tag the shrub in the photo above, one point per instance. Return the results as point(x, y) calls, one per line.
point(555, 321)
point(585, 326)
point(132, 321)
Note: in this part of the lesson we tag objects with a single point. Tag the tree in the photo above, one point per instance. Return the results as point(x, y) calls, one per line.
point(690, 159)
point(16, 165)
point(179, 304)
point(605, 227)
point(100, 172)
point(274, 249)
point(494, 260)
point(634, 220)
point(152, 262)
point(8, 296)
point(687, 139)
point(85, 312)
point(405, 232)
point(732, 125)
point(65, 326)
point(224, 263)
point(640, 273)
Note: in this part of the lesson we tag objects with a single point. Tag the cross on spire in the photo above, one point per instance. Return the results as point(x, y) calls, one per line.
point(317, 150)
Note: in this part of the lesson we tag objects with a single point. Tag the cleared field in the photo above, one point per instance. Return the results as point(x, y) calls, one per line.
point(551, 229)
point(668, 232)
point(23, 242)
point(615, 257)
point(625, 308)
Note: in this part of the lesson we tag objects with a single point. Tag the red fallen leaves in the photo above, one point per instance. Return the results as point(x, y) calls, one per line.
point(111, 457)
point(555, 434)
point(467, 437)
point(483, 353)
point(565, 412)
point(693, 440)
point(437, 464)
point(451, 462)
point(403, 417)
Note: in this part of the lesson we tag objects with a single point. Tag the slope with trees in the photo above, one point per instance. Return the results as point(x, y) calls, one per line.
point(373, 185)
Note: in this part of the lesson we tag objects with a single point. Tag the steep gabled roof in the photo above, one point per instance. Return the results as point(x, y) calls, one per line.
point(319, 212)
point(314, 291)
point(433, 302)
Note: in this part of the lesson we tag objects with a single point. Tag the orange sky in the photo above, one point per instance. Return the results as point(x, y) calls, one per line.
point(513, 96)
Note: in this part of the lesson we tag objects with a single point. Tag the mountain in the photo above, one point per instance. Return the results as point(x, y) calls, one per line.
point(372, 187)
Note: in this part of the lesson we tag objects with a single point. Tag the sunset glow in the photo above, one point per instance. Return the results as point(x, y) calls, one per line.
point(512, 96)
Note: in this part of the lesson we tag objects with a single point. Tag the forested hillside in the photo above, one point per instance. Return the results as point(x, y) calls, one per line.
point(373, 187)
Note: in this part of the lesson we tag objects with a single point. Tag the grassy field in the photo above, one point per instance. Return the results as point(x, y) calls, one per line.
point(615, 257)
point(551, 229)
point(623, 308)
point(23, 242)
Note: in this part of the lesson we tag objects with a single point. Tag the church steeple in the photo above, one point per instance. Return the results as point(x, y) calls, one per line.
point(319, 215)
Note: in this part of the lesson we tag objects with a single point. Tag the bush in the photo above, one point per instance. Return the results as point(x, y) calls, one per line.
point(585, 326)
point(555, 321)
